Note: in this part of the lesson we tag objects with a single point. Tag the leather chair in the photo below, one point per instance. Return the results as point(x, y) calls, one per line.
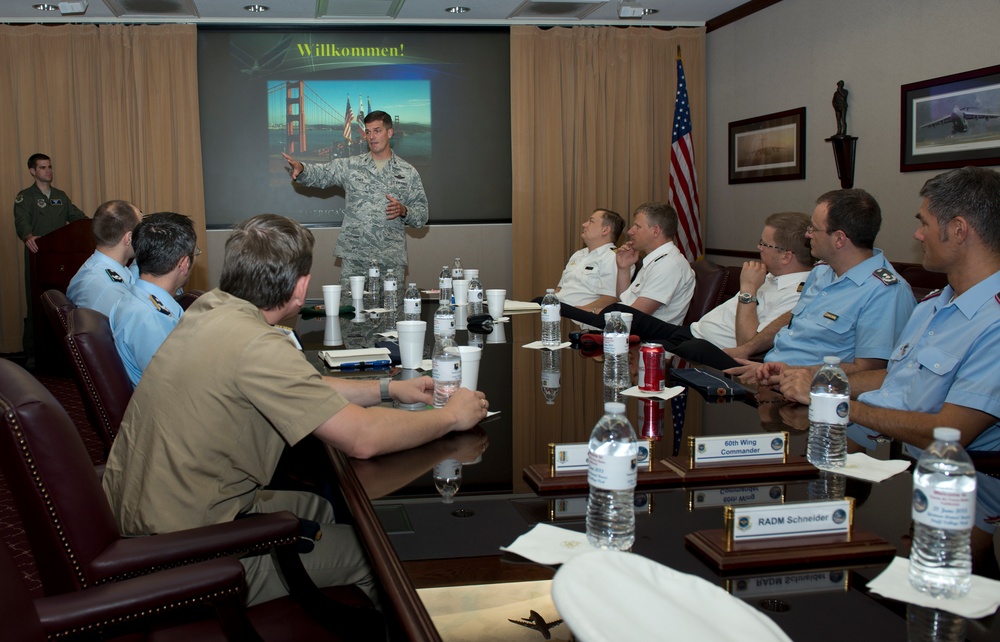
point(98, 371)
point(74, 537)
point(709, 284)
point(57, 307)
point(188, 297)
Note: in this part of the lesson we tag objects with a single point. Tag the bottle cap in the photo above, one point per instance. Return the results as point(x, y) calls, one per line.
point(614, 408)
point(947, 434)
point(550, 290)
point(831, 360)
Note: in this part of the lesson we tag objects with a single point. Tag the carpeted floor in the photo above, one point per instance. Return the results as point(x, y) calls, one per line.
point(11, 532)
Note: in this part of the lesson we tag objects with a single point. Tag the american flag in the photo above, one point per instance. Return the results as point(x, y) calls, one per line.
point(683, 180)
point(361, 116)
point(348, 119)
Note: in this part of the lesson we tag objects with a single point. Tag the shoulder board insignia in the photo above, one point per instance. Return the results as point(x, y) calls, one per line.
point(19, 198)
point(936, 293)
point(159, 306)
point(41, 203)
point(885, 276)
point(801, 287)
point(114, 276)
point(56, 201)
point(997, 297)
point(831, 316)
point(819, 263)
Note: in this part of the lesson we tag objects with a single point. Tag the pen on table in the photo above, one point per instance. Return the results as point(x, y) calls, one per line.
point(360, 365)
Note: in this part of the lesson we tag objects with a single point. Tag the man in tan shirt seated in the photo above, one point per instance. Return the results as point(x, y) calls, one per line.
point(203, 433)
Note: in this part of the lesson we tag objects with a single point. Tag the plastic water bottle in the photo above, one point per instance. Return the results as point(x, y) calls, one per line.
point(551, 328)
point(391, 293)
point(411, 303)
point(444, 319)
point(444, 284)
point(374, 284)
point(616, 374)
point(611, 474)
point(933, 625)
point(551, 366)
point(475, 292)
point(457, 273)
point(446, 362)
point(944, 508)
point(829, 408)
point(447, 476)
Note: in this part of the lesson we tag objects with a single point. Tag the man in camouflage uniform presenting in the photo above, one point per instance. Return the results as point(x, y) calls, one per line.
point(38, 210)
point(383, 193)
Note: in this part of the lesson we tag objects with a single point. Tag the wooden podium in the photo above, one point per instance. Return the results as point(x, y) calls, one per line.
point(60, 254)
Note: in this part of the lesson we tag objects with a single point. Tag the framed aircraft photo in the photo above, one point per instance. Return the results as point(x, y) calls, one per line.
point(768, 148)
point(951, 121)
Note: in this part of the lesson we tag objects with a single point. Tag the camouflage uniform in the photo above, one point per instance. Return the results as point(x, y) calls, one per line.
point(365, 233)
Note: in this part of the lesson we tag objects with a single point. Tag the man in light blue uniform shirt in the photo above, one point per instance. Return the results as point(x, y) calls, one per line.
point(854, 305)
point(165, 246)
point(103, 278)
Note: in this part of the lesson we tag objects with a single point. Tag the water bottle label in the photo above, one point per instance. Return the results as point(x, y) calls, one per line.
point(615, 344)
point(550, 312)
point(444, 283)
point(944, 508)
point(390, 286)
point(611, 473)
point(448, 371)
point(444, 325)
point(550, 379)
point(457, 273)
point(476, 296)
point(373, 271)
point(829, 409)
point(411, 306)
point(448, 469)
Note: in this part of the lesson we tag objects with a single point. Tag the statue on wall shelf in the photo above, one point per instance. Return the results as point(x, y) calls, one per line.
point(840, 108)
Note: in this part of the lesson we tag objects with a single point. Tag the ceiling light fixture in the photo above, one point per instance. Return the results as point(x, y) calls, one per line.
point(458, 10)
point(257, 8)
point(45, 6)
point(632, 10)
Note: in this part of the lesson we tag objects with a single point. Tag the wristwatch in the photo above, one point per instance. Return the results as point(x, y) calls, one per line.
point(383, 388)
point(746, 297)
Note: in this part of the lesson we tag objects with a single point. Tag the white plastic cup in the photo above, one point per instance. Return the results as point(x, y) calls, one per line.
point(461, 290)
point(627, 318)
point(470, 366)
point(331, 333)
point(498, 335)
point(357, 287)
point(494, 301)
point(411, 343)
point(461, 317)
point(331, 300)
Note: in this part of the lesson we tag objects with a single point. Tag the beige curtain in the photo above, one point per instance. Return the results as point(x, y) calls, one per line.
point(116, 107)
point(591, 117)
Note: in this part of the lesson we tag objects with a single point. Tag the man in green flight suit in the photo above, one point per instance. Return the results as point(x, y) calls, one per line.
point(38, 210)
point(384, 194)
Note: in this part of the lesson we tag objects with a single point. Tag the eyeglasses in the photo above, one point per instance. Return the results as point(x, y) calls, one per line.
point(197, 251)
point(761, 243)
point(813, 229)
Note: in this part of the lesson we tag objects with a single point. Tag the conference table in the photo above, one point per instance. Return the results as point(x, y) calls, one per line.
point(431, 554)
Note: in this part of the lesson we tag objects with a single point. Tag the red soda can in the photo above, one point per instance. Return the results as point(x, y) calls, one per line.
point(652, 367)
point(651, 414)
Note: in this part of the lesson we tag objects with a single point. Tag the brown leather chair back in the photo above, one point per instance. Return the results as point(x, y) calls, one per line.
point(98, 371)
point(709, 285)
point(53, 482)
point(57, 307)
point(923, 281)
point(188, 297)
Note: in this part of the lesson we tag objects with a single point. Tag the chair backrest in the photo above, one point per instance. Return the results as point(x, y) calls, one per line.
point(57, 307)
point(99, 372)
point(709, 285)
point(57, 492)
point(923, 281)
point(188, 297)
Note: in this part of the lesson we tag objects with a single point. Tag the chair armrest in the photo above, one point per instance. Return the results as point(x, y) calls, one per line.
point(122, 602)
point(130, 557)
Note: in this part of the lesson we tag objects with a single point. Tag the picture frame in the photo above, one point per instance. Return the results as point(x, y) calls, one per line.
point(768, 148)
point(950, 121)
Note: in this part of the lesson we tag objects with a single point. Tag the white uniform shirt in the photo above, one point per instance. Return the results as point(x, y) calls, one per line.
point(667, 277)
point(589, 275)
point(777, 295)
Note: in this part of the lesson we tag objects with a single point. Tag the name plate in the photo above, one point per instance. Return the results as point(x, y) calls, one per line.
point(789, 583)
point(735, 495)
point(797, 519)
point(738, 448)
point(573, 457)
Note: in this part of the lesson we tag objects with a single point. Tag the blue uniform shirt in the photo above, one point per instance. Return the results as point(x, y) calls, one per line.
point(140, 321)
point(858, 315)
point(99, 283)
point(948, 353)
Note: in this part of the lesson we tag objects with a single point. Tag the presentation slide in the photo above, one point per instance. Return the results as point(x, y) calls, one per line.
point(264, 93)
